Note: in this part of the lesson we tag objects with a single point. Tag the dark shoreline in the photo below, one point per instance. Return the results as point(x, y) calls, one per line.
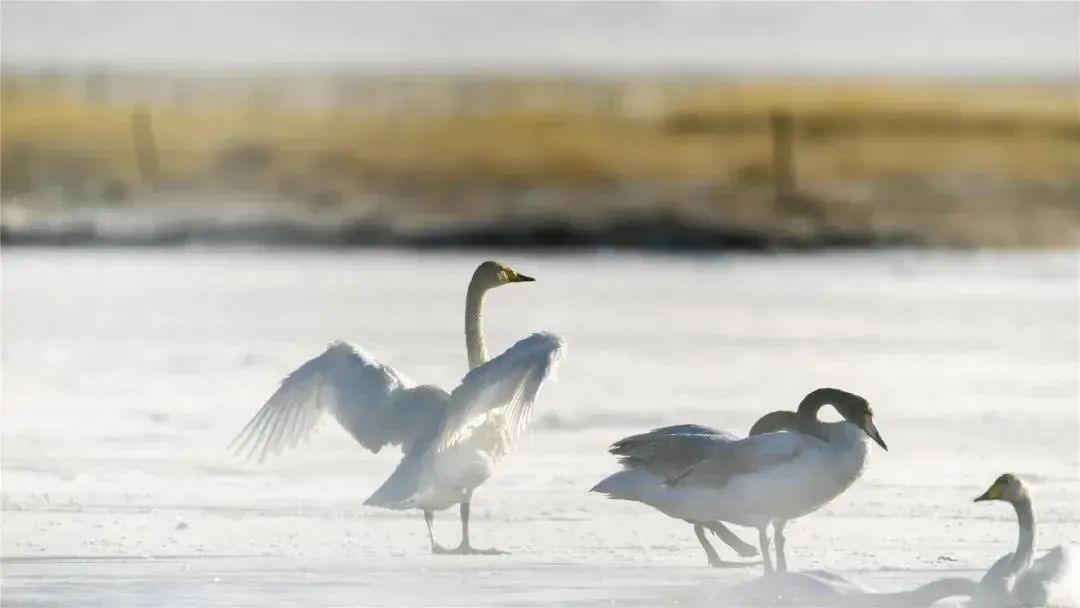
point(647, 234)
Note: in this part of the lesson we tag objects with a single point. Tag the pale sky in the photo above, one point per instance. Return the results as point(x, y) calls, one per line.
point(864, 38)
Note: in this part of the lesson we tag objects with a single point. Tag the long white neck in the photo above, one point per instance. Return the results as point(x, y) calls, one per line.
point(1025, 544)
point(474, 333)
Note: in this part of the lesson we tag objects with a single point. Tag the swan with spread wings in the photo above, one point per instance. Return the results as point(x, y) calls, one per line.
point(450, 441)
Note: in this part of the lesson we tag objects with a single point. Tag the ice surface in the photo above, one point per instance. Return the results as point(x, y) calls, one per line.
point(127, 372)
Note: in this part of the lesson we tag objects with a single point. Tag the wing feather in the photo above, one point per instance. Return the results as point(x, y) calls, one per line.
point(375, 403)
point(499, 395)
point(749, 455)
point(672, 450)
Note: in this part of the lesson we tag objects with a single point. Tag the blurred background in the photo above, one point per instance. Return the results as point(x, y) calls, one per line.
point(649, 124)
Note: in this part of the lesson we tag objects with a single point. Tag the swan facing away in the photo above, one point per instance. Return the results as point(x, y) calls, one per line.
point(702, 476)
point(450, 441)
point(1017, 578)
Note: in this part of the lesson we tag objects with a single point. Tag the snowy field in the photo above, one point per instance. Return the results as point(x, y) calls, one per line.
point(127, 372)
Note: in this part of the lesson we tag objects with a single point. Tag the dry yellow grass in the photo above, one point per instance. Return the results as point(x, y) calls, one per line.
point(1040, 141)
point(709, 134)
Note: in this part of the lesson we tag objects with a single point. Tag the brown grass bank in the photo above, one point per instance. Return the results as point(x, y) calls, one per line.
point(957, 166)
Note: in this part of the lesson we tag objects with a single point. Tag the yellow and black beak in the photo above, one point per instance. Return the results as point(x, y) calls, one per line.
point(517, 277)
point(994, 493)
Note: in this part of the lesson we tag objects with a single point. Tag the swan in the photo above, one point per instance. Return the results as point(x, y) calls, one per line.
point(450, 441)
point(698, 443)
point(1017, 578)
point(768, 477)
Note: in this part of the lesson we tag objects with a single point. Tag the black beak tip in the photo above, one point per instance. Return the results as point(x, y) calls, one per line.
point(877, 438)
point(525, 279)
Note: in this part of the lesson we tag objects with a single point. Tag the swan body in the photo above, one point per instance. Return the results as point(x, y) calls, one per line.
point(752, 481)
point(702, 475)
point(790, 475)
point(450, 440)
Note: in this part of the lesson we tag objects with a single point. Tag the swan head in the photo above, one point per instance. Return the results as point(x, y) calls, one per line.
point(491, 274)
point(1008, 487)
point(852, 408)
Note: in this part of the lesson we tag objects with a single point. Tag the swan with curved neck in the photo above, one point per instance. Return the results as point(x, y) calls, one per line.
point(705, 477)
point(804, 419)
point(450, 440)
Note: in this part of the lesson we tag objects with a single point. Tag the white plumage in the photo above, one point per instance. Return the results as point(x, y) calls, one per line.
point(701, 475)
point(450, 441)
point(1017, 579)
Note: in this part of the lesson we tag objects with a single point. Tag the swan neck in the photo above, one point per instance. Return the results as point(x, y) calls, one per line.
point(806, 419)
point(775, 421)
point(810, 406)
point(1025, 544)
point(474, 333)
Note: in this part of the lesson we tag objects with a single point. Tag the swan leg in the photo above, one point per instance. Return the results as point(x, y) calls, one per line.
point(781, 559)
point(763, 541)
point(466, 548)
point(743, 548)
point(429, 519)
point(710, 553)
point(714, 559)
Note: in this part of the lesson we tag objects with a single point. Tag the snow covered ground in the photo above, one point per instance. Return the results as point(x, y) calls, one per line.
point(127, 372)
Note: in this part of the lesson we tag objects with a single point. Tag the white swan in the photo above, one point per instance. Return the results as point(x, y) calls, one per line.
point(765, 478)
point(1017, 579)
point(450, 440)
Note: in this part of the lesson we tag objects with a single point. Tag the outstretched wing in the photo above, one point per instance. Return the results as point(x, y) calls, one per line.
point(672, 450)
point(496, 399)
point(374, 402)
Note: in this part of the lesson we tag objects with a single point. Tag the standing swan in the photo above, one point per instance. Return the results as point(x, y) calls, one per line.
point(699, 445)
point(771, 477)
point(450, 440)
point(1017, 579)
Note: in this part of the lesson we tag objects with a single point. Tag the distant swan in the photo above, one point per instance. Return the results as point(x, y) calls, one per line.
point(702, 476)
point(450, 440)
point(1017, 579)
